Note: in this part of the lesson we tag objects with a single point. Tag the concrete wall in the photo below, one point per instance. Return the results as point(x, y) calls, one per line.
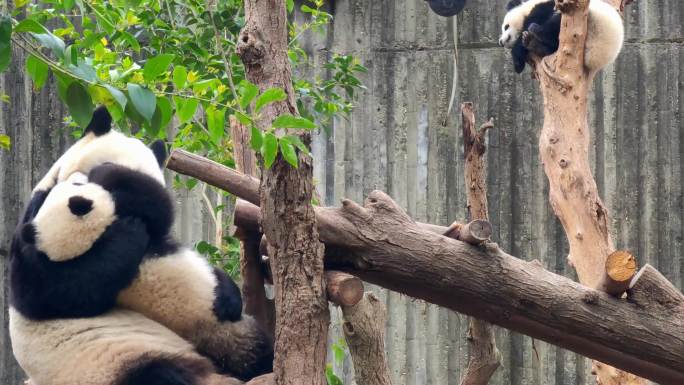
point(396, 141)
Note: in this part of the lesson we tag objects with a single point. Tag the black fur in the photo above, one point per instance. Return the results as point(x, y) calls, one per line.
point(164, 371)
point(159, 150)
point(539, 35)
point(512, 4)
point(36, 202)
point(137, 195)
point(101, 123)
point(79, 205)
point(228, 300)
point(82, 287)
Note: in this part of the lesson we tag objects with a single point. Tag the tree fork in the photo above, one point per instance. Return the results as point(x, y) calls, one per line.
point(289, 220)
point(564, 149)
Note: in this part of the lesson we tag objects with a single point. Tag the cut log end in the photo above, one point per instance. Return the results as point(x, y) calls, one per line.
point(474, 233)
point(621, 266)
point(343, 289)
point(650, 289)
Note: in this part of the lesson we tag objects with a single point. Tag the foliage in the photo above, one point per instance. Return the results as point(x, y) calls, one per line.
point(340, 351)
point(150, 61)
point(226, 257)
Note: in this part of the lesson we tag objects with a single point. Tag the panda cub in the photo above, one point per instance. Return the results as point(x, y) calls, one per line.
point(533, 27)
point(97, 236)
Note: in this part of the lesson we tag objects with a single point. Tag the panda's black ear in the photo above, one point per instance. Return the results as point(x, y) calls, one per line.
point(101, 123)
point(159, 150)
point(512, 4)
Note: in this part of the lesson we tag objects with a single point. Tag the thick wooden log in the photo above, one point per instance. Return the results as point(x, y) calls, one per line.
point(621, 266)
point(364, 331)
point(380, 244)
point(343, 289)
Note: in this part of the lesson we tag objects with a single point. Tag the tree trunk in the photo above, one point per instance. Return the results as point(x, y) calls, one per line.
point(289, 221)
point(484, 357)
point(564, 147)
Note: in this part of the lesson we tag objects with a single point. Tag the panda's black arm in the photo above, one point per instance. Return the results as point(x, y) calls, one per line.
point(540, 14)
point(85, 286)
point(519, 53)
point(137, 195)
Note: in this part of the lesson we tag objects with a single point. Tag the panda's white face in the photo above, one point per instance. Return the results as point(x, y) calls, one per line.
point(74, 215)
point(512, 26)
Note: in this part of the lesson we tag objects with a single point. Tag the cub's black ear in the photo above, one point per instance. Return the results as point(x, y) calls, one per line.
point(28, 233)
point(512, 4)
point(159, 150)
point(101, 123)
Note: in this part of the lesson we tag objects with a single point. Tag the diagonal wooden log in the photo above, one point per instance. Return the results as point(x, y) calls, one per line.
point(380, 244)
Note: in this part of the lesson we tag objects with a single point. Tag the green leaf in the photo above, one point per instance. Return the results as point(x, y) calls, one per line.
point(80, 104)
point(119, 96)
point(290, 121)
point(216, 120)
point(51, 41)
point(131, 40)
point(143, 100)
point(269, 96)
point(288, 151)
point(37, 70)
point(156, 66)
point(5, 142)
point(297, 143)
point(164, 106)
point(5, 42)
point(68, 4)
point(63, 83)
point(30, 25)
point(243, 118)
point(185, 108)
point(256, 139)
point(269, 149)
point(248, 92)
point(290, 6)
point(180, 77)
point(331, 376)
point(71, 54)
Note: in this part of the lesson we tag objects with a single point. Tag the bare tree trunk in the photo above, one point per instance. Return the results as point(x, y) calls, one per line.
point(484, 356)
point(289, 220)
point(364, 331)
point(564, 147)
point(253, 292)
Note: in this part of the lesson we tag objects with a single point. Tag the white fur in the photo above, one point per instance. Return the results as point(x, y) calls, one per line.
point(176, 290)
point(605, 32)
point(92, 351)
point(91, 151)
point(62, 235)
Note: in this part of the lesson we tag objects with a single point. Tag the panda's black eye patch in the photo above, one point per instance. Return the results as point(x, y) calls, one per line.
point(506, 27)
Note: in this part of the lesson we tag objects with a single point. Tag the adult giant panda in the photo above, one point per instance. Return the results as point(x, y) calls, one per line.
point(172, 285)
point(533, 27)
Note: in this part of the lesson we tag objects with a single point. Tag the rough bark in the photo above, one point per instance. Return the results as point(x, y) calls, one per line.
point(484, 357)
point(650, 288)
point(253, 292)
point(564, 147)
point(289, 221)
point(364, 331)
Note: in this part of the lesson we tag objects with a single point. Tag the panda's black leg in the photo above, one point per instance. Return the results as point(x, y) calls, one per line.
point(228, 300)
point(162, 372)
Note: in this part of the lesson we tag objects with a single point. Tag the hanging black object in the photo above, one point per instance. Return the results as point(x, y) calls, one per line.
point(447, 8)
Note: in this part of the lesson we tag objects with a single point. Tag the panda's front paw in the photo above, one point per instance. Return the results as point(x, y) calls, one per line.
point(527, 38)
